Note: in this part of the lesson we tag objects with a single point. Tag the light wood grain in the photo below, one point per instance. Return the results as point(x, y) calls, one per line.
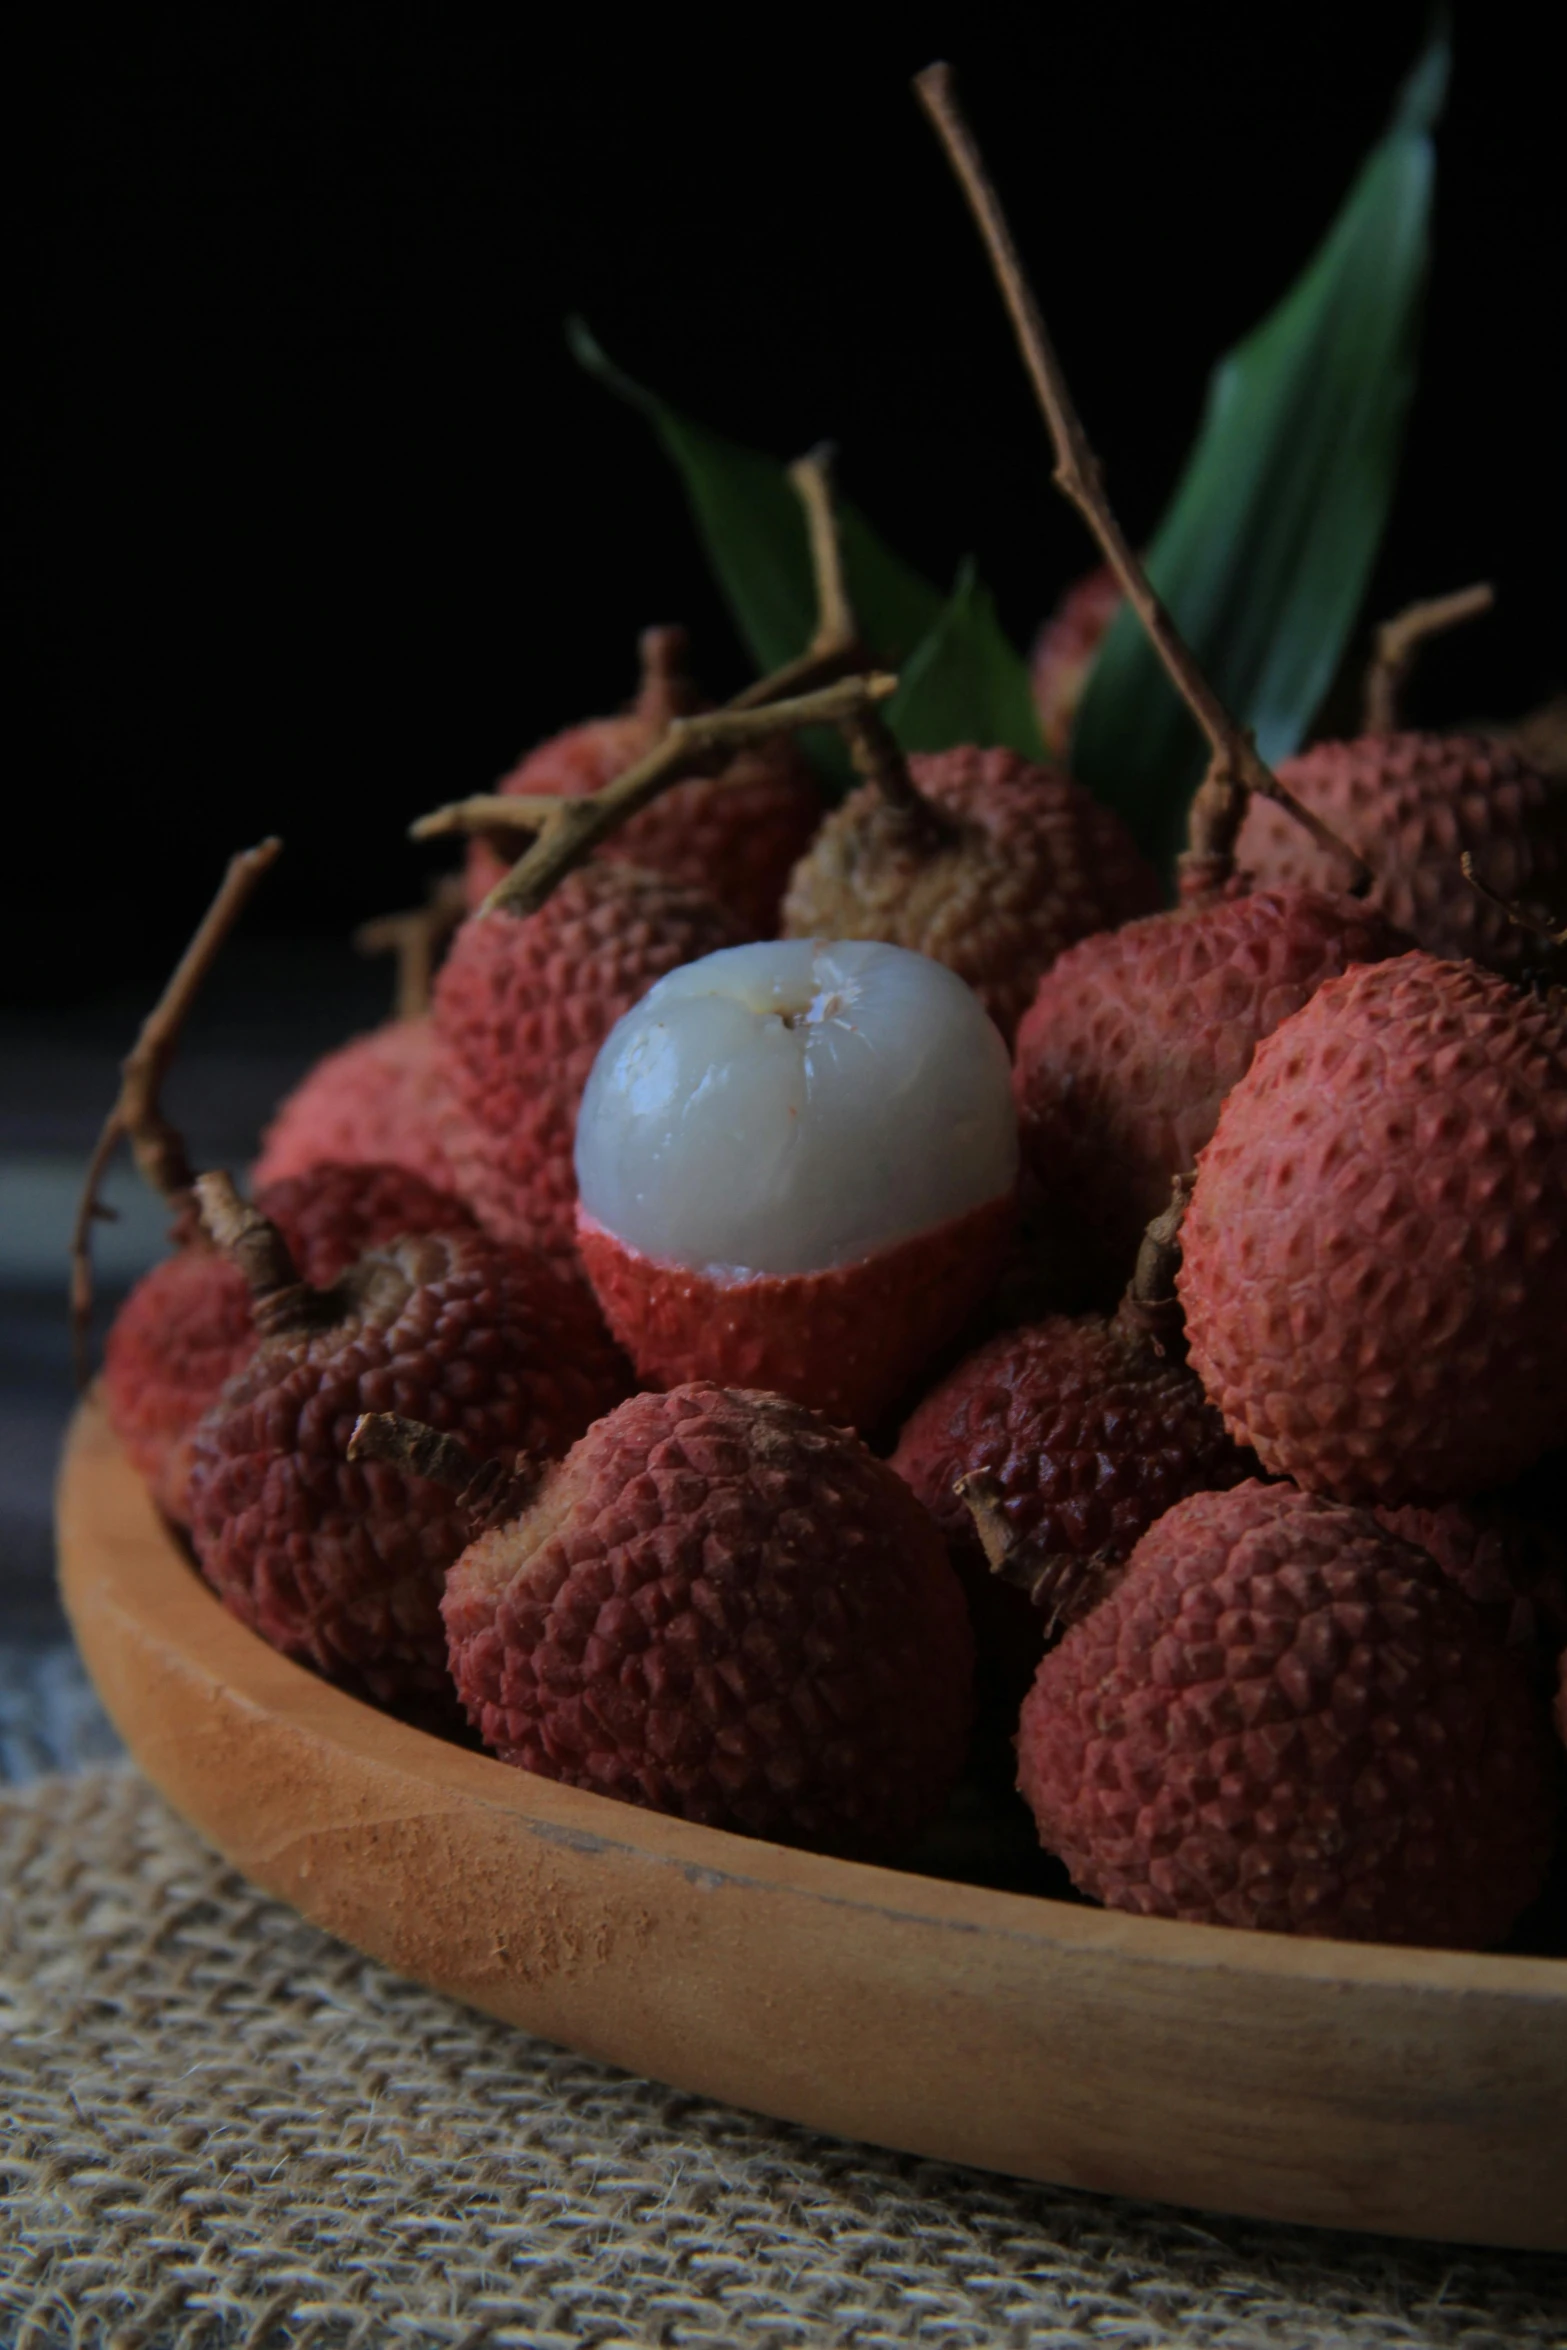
point(1424, 2093)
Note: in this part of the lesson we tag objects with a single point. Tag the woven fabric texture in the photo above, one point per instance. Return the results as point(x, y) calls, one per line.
point(224, 2131)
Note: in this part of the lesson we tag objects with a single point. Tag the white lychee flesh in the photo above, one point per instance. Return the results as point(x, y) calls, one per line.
point(795, 1105)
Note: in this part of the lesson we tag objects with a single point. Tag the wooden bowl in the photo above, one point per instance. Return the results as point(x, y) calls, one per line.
point(1349, 2085)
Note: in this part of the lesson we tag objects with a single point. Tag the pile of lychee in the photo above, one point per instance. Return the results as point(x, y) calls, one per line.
point(841, 1290)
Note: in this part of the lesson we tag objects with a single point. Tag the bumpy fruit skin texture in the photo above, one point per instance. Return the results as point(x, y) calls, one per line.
point(1025, 862)
point(1064, 652)
point(341, 1563)
point(1511, 1565)
point(1373, 1269)
point(1134, 1038)
point(721, 1607)
point(735, 835)
point(1410, 804)
point(185, 1329)
point(380, 1097)
point(522, 1007)
point(1285, 1718)
point(847, 1342)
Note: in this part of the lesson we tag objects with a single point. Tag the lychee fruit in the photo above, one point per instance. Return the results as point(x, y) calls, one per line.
point(721, 1607)
point(1135, 1036)
point(1064, 652)
point(1374, 1275)
point(379, 1098)
point(995, 867)
point(186, 1326)
point(522, 1006)
point(797, 1164)
point(1505, 1560)
point(1285, 1718)
point(1410, 804)
point(735, 834)
point(342, 1566)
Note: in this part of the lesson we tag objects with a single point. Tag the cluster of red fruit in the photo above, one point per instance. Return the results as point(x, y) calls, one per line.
point(522, 1386)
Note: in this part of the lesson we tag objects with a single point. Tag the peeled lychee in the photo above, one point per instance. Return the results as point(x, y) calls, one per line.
point(342, 1565)
point(522, 1006)
point(797, 1164)
point(1064, 651)
point(719, 1606)
point(380, 1097)
point(1134, 1038)
point(186, 1327)
point(734, 835)
point(1374, 1274)
point(1285, 1718)
point(1410, 805)
point(1008, 864)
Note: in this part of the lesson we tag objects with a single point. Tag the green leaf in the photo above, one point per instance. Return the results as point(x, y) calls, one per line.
point(1268, 546)
point(965, 683)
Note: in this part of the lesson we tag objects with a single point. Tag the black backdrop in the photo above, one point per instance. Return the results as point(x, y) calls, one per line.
point(321, 524)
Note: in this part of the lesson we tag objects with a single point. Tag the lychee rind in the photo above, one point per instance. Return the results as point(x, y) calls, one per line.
point(521, 1008)
point(723, 1608)
point(1063, 654)
point(380, 1097)
point(847, 1341)
point(1024, 863)
point(186, 1328)
point(735, 835)
point(1134, 1038)
point(1284, 1718)
point(1373, 1270)
point(1410, 804)
point(340, 1563)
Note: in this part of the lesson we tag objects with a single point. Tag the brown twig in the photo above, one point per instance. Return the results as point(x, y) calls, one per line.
point(1235, 766)
point(1150, 1308)
point(488, 1492)
point(1521, 917)
point(280, 1302)
point(136, 1116)
point(1398, 641)
point(1062, 1584)
point(416, 938)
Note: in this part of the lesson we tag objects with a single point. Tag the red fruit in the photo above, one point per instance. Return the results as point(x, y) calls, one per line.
point(1374, 1275)
point(1504, 1561)
point(734, 835)
point(721, 1607)
point(847, 1340)
point(1285, 1718)
point(186, 1327)
point(1014, 863)
point(1410, 804)
point(380, 1098)
point(1135, 1037)
point(1064, 651)
point(522, 1006)
point(341, 1565)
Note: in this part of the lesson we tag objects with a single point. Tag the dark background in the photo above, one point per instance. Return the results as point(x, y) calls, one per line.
point(320, 524)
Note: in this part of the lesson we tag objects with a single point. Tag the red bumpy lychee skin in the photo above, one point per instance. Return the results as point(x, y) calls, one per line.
point(1063, 655)
point(186, 1327)
point(1135, 1037)
point(1410, 804)
point(522, 1007)
point(847, 1341)
point(380, 1098)
point(1018, 863)
point(734, 835)
point(1508, 1563)
point(1374, 1275)
point(1284, 1718)
point(721, 1607)
point(341, 1565)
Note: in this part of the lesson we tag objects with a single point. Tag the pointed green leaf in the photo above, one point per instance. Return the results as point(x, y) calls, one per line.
point(965, 682)
point(1267, 548)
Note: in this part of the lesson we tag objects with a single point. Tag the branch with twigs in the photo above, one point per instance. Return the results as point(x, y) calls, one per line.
point(1236, 769)
point(416, 937)
point(1398, 641)
point(136, 1117)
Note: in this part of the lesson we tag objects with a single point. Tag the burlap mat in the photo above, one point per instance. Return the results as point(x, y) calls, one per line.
point(223, 2129)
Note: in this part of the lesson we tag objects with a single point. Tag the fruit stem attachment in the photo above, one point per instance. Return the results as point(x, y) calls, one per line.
point(416, 938)
point(566, 830)
point(1061, 1584)
point(1522, 917)
point(136, 1117)
point(1399, 640)
point(1235, 768)
point(488, 1492)
point(1150, 1309)
point(281, 1304)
